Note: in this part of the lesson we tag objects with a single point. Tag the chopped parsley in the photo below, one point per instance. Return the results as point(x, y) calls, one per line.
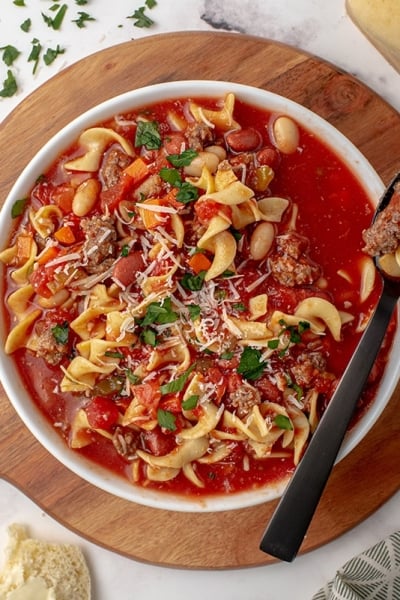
point(159, 313)
point(183, 159)
point(193, 283)
point(10, 54)
point(18, 207)
point(51, 54)
point(34, 56)
point(140, 19)
point(283, 422)
point(177, 385)
point(250, 365)
point(194, 311)
point(61, 332)
point(56, 22)
point(186, 191)
point(166, 419)
point(191, 402)
point(82, 19)
point(26, 25)
point(9, 86)
point(148, 135)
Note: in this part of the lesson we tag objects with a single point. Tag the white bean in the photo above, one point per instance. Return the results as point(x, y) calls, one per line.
point(203, 159)
point(85, 197)
point(261, 240)
point(286, 135)
point(218, 150)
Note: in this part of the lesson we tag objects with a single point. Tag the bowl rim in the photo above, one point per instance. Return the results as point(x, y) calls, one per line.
point(135, 98)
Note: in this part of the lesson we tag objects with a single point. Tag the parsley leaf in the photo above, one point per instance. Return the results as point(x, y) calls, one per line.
point(61, 332)
point(186, 191)
point(35, 54)
point(148, 336)
point(51, 54)
point(19, 2)
point(83, 18)
point(283, 422)
point(191, 402)
point(140, 19)
point(183, 159)
point(159, 313)
point(81, 2)
point(26, 25)
point(151, 3)
point(9, 86)
point(177, 385)
point(56, 22)
point(148, 135)
point(193, 283)
point(194, 311)
point(250, 365)
point(166, 419)
point(18, 207)
point(10, 53)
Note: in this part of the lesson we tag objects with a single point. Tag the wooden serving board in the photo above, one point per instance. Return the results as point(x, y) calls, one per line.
point(360, 483)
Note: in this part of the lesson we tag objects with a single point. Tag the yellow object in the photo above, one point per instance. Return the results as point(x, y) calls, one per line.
point(379, 20)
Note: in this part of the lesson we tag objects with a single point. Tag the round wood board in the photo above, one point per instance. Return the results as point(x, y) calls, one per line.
point(360, 483)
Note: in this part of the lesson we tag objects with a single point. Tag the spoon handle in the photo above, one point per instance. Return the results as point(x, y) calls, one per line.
point(289, 523)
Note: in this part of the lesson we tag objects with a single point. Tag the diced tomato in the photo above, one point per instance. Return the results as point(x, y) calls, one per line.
point(62, 197)
point(234, 382)
point(172, 403)
point(40, 278)
point(148, 394)
point(157, 443)
point(215, 376)
point(207, 209)
point(175, 143)
point(109, 199)
point(102, 413)
point(126, 267)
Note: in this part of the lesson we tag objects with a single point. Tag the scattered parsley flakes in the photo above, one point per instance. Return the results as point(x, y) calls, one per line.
point(34, 56)
point(56, 22)
point(26, 25)
point(51, 54)
point(9, 86)
point(81, 2)
point(19, 2)
point(83, 18)
point(140, 19)
point(10, 54)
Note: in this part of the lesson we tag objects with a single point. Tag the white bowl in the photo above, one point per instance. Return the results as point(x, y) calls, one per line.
point(12, 384)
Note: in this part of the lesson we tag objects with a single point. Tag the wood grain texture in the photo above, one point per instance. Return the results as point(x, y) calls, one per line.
point(359, 484)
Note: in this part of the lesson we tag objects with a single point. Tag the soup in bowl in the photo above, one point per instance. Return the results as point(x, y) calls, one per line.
point(184, 284)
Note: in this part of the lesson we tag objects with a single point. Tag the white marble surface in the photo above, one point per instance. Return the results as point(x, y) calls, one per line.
point(320, 27)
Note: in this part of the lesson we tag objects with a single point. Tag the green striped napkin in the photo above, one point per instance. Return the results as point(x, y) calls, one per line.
point(373, 575)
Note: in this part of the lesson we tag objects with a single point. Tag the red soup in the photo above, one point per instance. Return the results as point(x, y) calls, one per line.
point(184, 288)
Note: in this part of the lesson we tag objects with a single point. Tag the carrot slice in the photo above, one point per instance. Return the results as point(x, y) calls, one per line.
point(199, 262)
point(137, 170)
point(65, 235)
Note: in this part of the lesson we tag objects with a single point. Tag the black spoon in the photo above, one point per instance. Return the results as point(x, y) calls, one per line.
point(289, 523)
